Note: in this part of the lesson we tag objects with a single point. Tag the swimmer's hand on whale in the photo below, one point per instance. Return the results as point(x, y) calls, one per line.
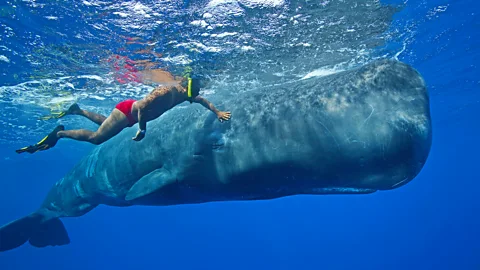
point(222, 116)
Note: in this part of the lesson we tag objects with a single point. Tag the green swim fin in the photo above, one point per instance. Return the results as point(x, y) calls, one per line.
point(47, 142)
point(53, 115)
point(56, 115)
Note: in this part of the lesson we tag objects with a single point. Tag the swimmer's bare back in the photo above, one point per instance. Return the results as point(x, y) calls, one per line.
point(162, 99)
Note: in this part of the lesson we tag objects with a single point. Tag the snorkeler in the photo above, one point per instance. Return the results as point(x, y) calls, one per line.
point(129, 112)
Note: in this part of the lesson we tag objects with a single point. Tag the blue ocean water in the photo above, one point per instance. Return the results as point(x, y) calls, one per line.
point(53, 53)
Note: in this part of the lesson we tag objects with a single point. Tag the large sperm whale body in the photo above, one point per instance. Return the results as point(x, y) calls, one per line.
point(356, 131)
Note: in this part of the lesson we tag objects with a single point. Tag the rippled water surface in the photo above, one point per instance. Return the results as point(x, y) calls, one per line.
point(53, 53)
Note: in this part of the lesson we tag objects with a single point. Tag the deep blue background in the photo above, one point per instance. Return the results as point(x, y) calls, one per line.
point(431, 223)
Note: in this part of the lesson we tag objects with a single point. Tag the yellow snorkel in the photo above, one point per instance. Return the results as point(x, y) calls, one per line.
point(187, 73)
point(189, 87)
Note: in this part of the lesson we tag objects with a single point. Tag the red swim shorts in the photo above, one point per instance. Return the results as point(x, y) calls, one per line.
point(126, 108)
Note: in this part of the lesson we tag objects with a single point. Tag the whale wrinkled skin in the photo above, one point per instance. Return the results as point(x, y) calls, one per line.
point(356, 131)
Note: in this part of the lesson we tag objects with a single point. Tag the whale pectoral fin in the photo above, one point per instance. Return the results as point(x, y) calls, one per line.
point(149, 184)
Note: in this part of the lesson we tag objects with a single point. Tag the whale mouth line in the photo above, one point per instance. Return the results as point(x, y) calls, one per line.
point(217, 145)
point(399, 183)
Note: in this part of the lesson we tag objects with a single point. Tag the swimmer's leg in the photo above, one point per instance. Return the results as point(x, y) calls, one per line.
point(112, 125)
point(75, 110)
point(94, 117)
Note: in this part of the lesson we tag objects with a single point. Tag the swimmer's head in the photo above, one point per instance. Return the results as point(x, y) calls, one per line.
point(193, 85)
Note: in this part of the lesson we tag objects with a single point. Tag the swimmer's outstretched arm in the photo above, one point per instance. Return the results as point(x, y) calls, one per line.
point(222, 116)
